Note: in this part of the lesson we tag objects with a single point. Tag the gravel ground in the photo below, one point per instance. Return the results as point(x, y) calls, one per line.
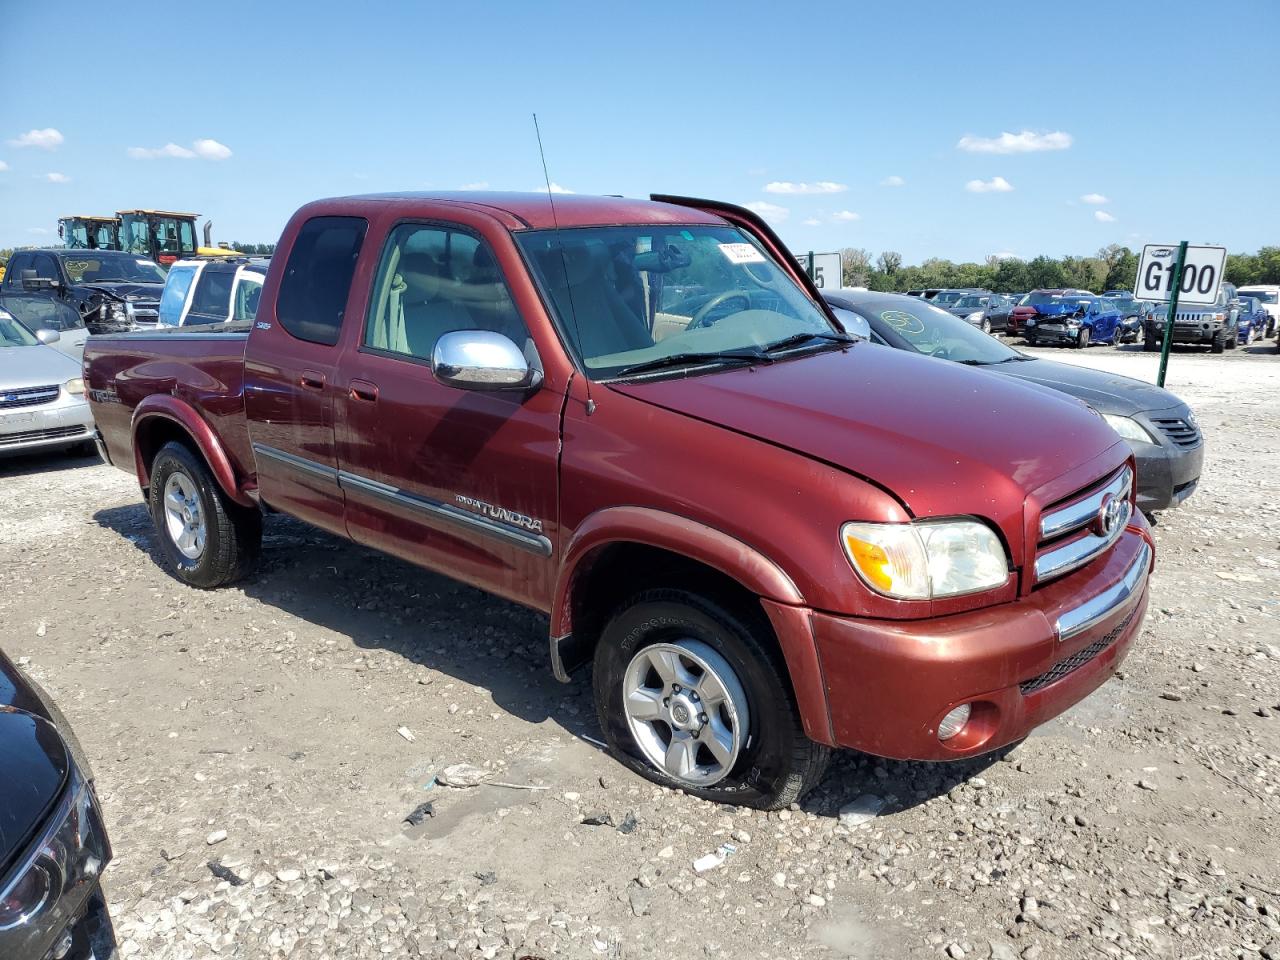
point(258, 750)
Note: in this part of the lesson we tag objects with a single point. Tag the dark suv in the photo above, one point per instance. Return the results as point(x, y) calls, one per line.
point(1216, 326)
point(109, 290)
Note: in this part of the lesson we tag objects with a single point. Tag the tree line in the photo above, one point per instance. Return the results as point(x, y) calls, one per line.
point(1114, 267)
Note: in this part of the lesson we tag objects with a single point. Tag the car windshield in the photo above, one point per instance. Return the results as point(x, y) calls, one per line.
point(937, 333)
point(633, 297)
point(121, 269)
point(1266, 296)
point(972, 300)
point(14, 334)
point(947, 297)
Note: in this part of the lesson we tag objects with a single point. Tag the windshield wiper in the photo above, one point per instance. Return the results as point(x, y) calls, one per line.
point(798, 338)
point(1016, 359)
point(738, 357)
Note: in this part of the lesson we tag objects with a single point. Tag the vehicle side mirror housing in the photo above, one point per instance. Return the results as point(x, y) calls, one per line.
point(482, 360)
point(31, 282)
point(47, 336)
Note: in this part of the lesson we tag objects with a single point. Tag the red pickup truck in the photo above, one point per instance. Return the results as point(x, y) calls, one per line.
point(767, 537)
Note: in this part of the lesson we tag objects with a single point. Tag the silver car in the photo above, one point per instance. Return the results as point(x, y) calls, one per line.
point(42, 401)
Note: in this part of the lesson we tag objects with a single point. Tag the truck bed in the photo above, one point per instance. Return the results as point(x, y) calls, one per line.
point(202, 367)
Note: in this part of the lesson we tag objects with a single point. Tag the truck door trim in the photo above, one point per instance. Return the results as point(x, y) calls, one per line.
point(531, 542)
point(323, 471)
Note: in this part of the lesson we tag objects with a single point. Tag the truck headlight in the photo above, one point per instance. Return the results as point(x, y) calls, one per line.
point(1128, 428)
point(920, 561)
point(74, 386)
point(117, 311)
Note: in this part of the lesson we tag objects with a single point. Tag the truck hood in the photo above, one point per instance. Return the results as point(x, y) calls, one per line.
point(34, 366)
point(942, 438)
point(128, 291)
point(1105, 392)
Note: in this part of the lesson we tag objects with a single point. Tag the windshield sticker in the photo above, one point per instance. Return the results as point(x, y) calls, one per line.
point(741, 253)
point(902, 321)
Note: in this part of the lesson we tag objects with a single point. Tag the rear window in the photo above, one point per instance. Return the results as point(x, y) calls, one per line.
point(317, 278)
point(212, 299)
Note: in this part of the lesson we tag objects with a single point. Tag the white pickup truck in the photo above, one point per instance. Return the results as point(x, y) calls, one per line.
point(212, 290)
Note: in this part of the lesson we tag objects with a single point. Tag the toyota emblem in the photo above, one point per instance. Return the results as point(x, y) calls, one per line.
point(1109, 515)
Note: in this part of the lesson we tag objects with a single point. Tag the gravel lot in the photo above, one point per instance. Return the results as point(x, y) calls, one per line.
point(258, 749)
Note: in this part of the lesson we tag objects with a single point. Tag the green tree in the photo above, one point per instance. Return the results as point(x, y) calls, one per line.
point(855, 267)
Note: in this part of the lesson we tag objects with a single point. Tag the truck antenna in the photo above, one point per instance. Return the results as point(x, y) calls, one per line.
point(564, 264)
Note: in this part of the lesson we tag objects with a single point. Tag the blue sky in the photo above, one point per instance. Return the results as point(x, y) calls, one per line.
point(808, 108)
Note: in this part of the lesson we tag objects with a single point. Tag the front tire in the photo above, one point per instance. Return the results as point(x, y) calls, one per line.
point(1082, 339)
point(986, 326)
point(1219, 342)
point(207, 540)
point(666, 656)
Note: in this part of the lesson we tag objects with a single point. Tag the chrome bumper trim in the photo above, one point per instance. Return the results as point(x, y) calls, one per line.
point(1080, 514)
point(1099, 608)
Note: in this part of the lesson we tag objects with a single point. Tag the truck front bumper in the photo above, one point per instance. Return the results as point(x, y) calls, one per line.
point(1193, 332)
point(889, 684)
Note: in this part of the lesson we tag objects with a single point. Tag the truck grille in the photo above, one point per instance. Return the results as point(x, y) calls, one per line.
point(27, 396)
point(53, 433)
point(1071, 664)
point(1181, 432)
point(1076, 530)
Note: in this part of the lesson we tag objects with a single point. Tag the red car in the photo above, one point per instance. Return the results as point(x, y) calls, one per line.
point(770, 538)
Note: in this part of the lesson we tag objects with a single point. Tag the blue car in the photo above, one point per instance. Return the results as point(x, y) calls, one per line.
point(1253, 320)
point(1072, 318)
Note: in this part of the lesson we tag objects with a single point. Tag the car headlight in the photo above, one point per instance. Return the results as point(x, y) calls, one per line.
point(975, 317)
point(70, 854)
point(1128, 428)
point(74, 386)
point(920, 561)
point(117, 311)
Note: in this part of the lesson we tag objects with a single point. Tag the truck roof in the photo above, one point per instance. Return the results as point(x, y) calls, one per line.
point(533, 211)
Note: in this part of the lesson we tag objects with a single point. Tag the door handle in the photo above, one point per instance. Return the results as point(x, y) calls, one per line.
point(364, 390)
point(312, 381)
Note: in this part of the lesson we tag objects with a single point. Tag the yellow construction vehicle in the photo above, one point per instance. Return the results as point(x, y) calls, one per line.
point(87, 232)
point(164, 236)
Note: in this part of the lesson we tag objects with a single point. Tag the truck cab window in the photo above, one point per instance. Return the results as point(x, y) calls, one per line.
point(211, 302)
point(248, 292)
point(175, 295)
point(317, 278)
point(433, 281)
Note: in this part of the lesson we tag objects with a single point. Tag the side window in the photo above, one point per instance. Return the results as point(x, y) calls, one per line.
point(46, 268)
point(245, 301)
point(317, 278)
point(13, 273)
point(211, 303)
point(431, 281)
point(174, 296)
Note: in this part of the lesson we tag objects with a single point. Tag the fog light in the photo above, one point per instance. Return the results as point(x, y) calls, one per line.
point(954, 722)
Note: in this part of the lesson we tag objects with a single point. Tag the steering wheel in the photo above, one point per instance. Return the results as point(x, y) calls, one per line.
point(700, 316)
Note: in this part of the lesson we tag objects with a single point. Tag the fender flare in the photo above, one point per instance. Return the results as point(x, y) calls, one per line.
point(780, 598)
point(171, 408)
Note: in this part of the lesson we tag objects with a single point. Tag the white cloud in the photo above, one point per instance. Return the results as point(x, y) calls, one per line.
point(994, 185)
point(812, 222)
point(205, 149)
point(845, 216)
point(555, 188)
point(56, 178)
point(1006, 255)
point(770, 211)
point(46, 139)
point(211, 149)
point(482, 185)
point(38, 230)
point(1103, 217)
point(821, 186)
point(1094, 198)
point(1024, 142)
point(894, 181)
point(3, 166)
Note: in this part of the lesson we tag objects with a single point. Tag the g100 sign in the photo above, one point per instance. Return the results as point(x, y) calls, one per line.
point(1201, 273)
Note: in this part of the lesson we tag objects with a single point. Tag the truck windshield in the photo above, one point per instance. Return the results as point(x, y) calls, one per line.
point(632, 297)
point(14, 334)
point(112, 270)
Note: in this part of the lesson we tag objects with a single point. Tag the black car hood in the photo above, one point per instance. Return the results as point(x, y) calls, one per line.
point(36, 765)
point(1105, 392)
point(128, 290)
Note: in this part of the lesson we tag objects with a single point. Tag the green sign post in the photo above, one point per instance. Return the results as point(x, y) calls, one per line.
point(1173, 312)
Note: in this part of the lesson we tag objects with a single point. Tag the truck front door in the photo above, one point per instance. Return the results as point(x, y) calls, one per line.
point(289, 367)
point(462, 481)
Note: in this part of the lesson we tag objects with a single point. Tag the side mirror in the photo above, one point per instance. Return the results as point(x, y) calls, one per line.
point(48, 336)
point(482, 360)
point(31, 282)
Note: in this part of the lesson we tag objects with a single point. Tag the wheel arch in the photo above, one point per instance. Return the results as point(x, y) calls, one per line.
point(601, 569)
point(160, 419)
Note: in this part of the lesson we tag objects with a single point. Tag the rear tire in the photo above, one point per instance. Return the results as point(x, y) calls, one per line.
point(772, 763)
point(207, 540)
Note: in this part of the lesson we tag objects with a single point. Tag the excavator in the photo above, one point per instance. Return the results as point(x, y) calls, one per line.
point(164, 236)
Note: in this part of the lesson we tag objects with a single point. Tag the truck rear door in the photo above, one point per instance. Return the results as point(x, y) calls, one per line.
point(290, 362)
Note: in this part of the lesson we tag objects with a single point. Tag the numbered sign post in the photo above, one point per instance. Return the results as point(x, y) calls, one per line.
point(1199, 271)
point(823, 269)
